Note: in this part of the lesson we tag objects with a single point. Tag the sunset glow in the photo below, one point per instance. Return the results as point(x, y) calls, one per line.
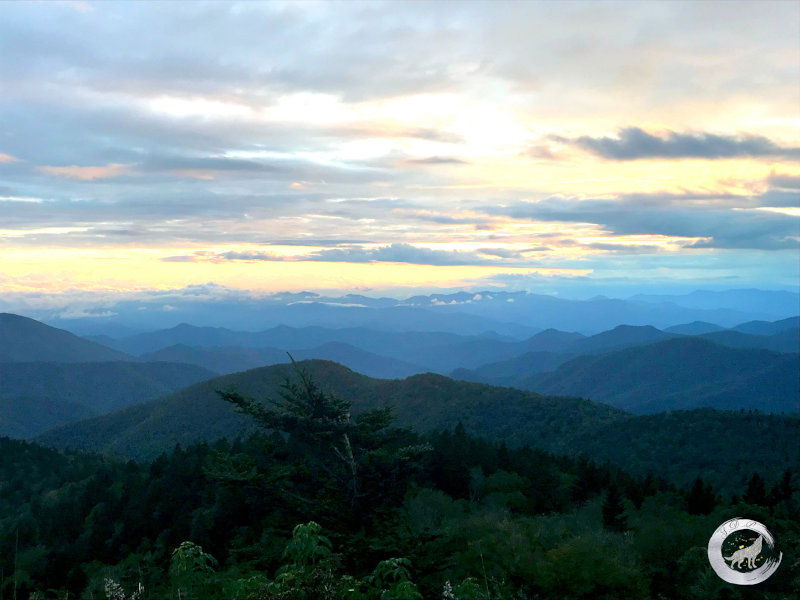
point(411, 144)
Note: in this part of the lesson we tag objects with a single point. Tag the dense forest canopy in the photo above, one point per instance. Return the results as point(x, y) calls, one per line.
point(323, 504)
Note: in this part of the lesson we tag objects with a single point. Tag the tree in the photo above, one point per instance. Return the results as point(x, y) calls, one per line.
point(342, 452)
point(614, 510)
point(701, 499)
point(782, 490)
point(755, 493)
point(190, 566)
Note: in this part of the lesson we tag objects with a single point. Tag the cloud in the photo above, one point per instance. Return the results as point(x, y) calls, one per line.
point(436, 160)
point(397, 252)
point(401, 253)
point(181, 258)
point(725, 221)
point(88, 173)
point(633, 143)
point(375, 119)
point(249, 255)
point(785, 182)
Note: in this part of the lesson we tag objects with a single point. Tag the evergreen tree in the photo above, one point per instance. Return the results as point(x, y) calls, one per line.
point(755, 493)
point(782, 490)
point(701, 499)
point(614, 510)
point(341, 454)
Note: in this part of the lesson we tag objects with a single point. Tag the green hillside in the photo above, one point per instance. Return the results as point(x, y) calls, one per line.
point(431, 402)
point(36, 396)
point(426, 402)
point(679, 374)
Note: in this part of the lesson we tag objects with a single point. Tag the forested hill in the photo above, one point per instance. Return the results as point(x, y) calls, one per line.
point(37, 396)
point(678, 374)
point(401, 517)
point(26, 340)
point(652, 444)
point(425, 402)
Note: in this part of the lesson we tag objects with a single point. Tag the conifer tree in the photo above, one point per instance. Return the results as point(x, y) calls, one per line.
point(755, 493)
point(614, 510)
point(701, 498)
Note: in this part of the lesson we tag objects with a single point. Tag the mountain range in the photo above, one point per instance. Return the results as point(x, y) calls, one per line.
point(668, 370)
point(36, 396)
point(515, 314)
point(644, 444)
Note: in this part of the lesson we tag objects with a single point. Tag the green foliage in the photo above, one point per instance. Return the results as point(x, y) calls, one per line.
point(614, 510)
point(596, 566)
point(496, 520)
point(190, 568)
point(188, 560)
point(308, 546)
point(356, 463)
point(391, 580)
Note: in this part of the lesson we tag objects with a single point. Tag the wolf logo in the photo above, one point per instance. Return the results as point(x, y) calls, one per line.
point(749, 554)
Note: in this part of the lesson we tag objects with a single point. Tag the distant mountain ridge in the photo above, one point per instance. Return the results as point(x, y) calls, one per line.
point(27, 340)
point(655, 444)
point(36, 396)
point(515, 314)
point(425, 401)
point(680, 373)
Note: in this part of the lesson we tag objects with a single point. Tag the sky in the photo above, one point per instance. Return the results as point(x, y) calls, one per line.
point(382, 146)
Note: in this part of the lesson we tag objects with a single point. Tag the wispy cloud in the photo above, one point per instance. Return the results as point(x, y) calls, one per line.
point(436, 160)
point(634, 143)
point(405, 133)
point(88, 173)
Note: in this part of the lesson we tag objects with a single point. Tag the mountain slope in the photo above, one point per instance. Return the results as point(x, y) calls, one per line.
point(220, 360)
point(27, 416)
point(768, 327)
point(787, 340)
point(233, 359)
point(38, 396)
point(622, 336)
point(26, 340)
point(694, 328)
point(513, 372)
point(368, 363)
point(678, 445)
point(425, 402)
point(678, 374)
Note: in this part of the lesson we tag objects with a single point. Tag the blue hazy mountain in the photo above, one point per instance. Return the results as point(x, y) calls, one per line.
point(25, 340)
point(514, 314)
point(694, 328)
point(36, 396)
point(769, 327)
point(231, 359)
point(676, 374)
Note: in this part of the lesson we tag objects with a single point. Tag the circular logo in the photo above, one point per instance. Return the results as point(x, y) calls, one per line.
point(742, 551)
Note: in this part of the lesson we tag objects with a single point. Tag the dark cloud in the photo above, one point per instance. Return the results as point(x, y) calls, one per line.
point(633, 143)
point(729, 222)
point(785, 182)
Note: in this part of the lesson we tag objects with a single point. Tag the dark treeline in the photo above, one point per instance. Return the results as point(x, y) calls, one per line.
point(325, 506)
